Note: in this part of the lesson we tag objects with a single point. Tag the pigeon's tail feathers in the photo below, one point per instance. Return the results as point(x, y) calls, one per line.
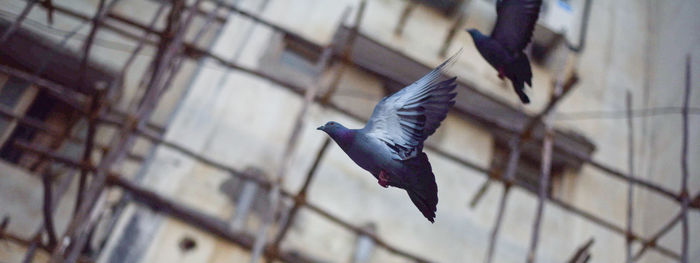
point(522, 70)
point(521, 73)
point(519, 87)
point(423, 205)
point(421, 187)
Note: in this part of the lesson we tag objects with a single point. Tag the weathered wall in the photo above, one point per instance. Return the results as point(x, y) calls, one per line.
point(244, 121)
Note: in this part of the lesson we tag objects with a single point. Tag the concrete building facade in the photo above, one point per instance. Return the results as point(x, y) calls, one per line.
point(244, 121)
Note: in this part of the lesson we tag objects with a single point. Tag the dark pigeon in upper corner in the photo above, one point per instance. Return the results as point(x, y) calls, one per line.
point(504, 48)
point(390, 146)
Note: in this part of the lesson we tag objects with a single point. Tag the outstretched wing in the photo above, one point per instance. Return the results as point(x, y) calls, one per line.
point(515, 23)
point(405, 119)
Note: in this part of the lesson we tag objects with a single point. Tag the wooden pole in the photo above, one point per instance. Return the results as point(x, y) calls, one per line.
point(543, 189)
point(48, 209)
point(299, 200)
point(582, 254)
point(15, 24)
point(684, 163)
point(407, 10)
point(347, 51)
point(298, 90)
point(456, 27)
point(309, 98)
point(651, 242)
point(142, 195)
point(196, 52)
point(78, 229)
point(514, 156)
point(630, 186)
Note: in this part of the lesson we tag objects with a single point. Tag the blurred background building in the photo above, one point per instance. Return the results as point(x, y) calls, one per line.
point(194, 183)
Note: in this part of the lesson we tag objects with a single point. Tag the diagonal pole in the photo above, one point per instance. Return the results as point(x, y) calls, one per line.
point(546, 166)
point(16, 24)
point(630, 186)
point(684, 163)
point(269, 217)
point(77, 231)
point(561, 90)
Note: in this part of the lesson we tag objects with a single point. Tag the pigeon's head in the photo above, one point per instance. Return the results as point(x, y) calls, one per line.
point(331, 127)
point(476, 34)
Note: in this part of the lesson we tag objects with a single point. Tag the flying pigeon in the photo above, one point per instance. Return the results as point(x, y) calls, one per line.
point(390, 146)
point(504, 48)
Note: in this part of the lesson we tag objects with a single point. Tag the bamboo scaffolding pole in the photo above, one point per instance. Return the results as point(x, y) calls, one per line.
point(651, 242)
point(16, 24)
point(87, 45)
point(56, 195)
point(31, 250)
point(95, 105)
point(630, 186)
point(78, 228)
point(582, 254)
point(69, 97)
point(96, 108)
point(192, 217)
point(32, 245)
point(299, 199)
point(320, 68)
point(600, 166)
point(347, 50)
point(405, 14)
point(309, 98)
point(155, 138)
point(263, 183)
point(299, 90)
point(543, 189)
point(196, 52)
point(684, 164)
point(142, 41)
point(561, 91)
point(454, 28)
point(48, 4)
point(48, 209)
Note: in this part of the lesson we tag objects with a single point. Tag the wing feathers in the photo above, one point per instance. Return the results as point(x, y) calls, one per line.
point(405, 119)
point(515, 23)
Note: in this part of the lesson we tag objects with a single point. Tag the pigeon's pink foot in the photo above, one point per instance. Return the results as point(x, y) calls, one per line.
point(383, 179)
point(500, 73)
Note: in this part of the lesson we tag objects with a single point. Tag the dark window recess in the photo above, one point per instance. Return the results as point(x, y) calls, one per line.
point(12, 91)
point(528, 172)
point(309, 51)
point(42, 106)
point(447, 7)
point(299, 56)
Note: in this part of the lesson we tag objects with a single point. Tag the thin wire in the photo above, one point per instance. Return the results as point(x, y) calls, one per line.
point(638, 113)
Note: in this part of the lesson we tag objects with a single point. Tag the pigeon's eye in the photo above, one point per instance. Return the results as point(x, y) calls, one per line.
point(331, 124)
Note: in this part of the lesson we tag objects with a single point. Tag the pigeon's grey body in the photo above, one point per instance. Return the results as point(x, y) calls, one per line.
point(390, 146)
point(503, 49)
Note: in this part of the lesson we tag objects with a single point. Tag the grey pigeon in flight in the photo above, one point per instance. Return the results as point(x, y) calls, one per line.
point(511, 34)
point(390, 146)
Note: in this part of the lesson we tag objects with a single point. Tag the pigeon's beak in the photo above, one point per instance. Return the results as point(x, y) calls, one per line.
point(320, 128)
